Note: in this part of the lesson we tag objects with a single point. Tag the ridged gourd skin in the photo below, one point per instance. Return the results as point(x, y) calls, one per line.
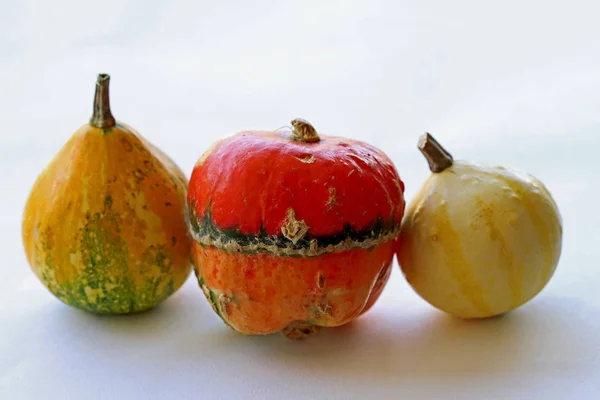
point(293, 231)
point(479, 240)
point(104, 224)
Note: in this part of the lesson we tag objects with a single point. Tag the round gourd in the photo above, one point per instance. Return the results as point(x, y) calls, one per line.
point(478, 240)
point(293, 230)
point(104, 225)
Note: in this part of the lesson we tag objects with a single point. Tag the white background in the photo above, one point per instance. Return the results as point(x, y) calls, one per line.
point(512, 82)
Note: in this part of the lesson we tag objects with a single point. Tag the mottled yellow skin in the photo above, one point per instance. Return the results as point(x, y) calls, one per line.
point(104, 226)
point(478, 241)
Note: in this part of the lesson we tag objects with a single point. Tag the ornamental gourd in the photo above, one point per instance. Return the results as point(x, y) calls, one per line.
point(293, 230)
point(104, 225)
point(478, 240)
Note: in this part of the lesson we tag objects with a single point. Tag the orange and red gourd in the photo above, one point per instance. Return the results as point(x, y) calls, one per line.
point(293, 230)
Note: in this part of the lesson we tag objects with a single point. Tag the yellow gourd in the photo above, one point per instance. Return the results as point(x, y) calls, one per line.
point(104, 225)
point(478, 240)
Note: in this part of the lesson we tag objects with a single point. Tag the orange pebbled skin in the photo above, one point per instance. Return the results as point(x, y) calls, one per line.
point(290, 233)
point(263, 293)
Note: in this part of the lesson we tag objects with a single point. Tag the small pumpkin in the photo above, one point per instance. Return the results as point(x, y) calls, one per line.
point(293, 230)
point(478, 240)
point(104, 224)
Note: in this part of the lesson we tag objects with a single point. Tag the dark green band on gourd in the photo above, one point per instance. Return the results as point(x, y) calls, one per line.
point(206, 229)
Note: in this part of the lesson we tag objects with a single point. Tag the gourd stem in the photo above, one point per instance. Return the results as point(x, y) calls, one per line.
point(303, 131)
point(437, 157)
point(102, 117)
point(299, 330)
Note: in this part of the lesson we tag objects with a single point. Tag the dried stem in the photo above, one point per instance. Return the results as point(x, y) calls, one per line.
point(300, 330)
point(437, 157)
point(303, 131)
point(102, 117)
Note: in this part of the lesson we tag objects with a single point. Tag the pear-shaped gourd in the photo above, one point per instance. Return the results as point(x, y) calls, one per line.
point(104, 225)
point(478, 240)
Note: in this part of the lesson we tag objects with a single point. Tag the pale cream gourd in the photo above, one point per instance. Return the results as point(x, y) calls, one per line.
point(477, 240)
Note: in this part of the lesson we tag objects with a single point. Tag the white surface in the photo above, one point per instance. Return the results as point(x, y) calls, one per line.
point(515, 83)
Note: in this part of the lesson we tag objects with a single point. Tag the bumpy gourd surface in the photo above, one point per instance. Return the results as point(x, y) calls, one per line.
point(290, 232)
point(478, 241)
point(104, 226)
point(261, 293)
